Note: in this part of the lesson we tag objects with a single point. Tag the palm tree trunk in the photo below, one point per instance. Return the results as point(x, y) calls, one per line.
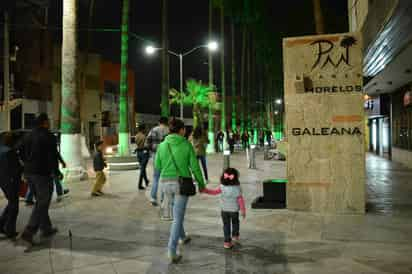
point(249, 88)
point(124, 134)
point(165, 109)
point(242, 82)
point(317, 11)
point(234, 118)
point(211, 124)
point(222, 64)
point(70, 110)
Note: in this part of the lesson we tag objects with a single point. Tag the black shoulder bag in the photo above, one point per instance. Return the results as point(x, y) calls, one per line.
point(186, 185)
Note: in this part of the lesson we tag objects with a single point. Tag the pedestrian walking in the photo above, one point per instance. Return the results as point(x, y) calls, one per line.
point(99, 164)
point(231, 202)
point(176, 160)
point(245, 140)
point(200, 141)
point(58, 186)
point(10, 179)
point(40, 156)
point(231, 141)
point(153, 140)
point(143, 156)
point(220, 136)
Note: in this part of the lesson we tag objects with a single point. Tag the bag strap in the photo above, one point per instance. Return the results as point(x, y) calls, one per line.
point(173, 160)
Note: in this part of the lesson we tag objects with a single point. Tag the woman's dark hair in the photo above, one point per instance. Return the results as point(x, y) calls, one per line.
point(230, 177)
point(41, 119)
point(163, 120)
point(175, 125)
point(197, 132)
point(141, 128)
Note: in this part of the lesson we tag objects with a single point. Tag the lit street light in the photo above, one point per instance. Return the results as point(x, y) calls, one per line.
point(278, 101)
point(211, 46)
point(150, 50)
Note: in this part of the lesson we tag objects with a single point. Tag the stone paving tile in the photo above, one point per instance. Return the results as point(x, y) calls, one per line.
point(122, 233)
point(94, 269)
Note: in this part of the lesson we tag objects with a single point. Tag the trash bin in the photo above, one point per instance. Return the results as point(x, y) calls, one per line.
point(274, 195)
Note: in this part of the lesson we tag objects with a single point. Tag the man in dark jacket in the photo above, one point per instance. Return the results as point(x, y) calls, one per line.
point(10, 176)
point(40, 156)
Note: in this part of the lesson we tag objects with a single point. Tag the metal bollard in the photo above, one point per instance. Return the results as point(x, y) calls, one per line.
point(226, 159)
point(252, 159)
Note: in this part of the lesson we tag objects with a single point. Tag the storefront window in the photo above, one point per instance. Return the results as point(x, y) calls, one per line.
point(402, 122)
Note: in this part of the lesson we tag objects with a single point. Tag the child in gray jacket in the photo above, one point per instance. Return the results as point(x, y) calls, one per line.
point(231, 202)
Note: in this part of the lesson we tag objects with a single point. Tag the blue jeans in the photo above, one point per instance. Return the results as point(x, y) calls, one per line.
point(177, 230)
point(156, 177)
point(29, 194)
point(204, 165)
point(58, 186)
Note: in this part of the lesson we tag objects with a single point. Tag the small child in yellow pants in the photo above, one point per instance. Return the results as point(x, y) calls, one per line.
point(99, 163)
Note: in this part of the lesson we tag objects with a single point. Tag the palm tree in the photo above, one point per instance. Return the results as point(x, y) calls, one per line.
point(70, 108)
point(123, 102)
point(317, 11)
point(211, 124)
point(197, 95)
point(234, 86)
point(242, 81)
point(223, 76)
point(165, 109)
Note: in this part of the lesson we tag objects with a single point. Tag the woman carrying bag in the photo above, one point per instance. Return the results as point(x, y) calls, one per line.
point(177, 161)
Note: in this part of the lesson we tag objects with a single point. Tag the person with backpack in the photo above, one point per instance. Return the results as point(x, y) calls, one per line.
point(153, 140)
point(10, 179)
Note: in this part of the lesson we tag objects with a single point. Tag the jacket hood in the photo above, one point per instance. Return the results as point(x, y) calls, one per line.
point(175, 139)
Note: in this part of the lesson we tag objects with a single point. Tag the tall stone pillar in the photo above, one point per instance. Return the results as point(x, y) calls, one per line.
point(325, 123)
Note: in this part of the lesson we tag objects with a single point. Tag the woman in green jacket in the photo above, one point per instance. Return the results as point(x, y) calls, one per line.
point(184, 157)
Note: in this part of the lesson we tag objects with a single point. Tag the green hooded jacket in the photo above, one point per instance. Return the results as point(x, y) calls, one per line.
point(185, 158)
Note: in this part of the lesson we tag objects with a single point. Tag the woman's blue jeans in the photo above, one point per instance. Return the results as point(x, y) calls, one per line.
point(177, 230)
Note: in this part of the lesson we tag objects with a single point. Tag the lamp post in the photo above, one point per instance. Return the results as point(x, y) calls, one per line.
point(211, 46)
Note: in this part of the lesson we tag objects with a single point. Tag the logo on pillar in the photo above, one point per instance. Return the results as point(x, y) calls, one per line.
point(325, 48)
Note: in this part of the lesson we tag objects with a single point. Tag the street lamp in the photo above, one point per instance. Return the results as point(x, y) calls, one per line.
point(211, 46)
point(278, 101)
point(150, 50)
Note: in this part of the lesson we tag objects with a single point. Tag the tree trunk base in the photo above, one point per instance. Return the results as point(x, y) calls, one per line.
point(124, 146)
point(74, 151)
point(211, 146)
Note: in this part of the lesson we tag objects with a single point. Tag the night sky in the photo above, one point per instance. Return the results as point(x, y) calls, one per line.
point(188, 27)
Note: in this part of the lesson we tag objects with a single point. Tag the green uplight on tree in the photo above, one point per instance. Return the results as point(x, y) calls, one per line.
point(123, 101)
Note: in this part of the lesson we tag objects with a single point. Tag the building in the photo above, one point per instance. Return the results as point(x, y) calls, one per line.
point(35, 82)
point(386, 28)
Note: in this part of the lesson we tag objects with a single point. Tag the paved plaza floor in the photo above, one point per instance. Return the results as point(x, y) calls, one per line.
point(121, 232)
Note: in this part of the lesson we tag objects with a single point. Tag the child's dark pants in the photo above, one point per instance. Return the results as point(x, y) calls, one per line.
point(230, 225)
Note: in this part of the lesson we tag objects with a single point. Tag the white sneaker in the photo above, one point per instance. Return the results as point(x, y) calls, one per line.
point(174, 259)
point(185, 241)
point(153, 202)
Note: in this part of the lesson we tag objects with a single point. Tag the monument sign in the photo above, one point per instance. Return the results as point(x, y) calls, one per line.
point(325, 123)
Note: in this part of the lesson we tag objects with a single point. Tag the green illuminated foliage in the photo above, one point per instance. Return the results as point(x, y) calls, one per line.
point(198, 96)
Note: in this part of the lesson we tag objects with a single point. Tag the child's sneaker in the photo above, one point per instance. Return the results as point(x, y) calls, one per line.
point(227, 245)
